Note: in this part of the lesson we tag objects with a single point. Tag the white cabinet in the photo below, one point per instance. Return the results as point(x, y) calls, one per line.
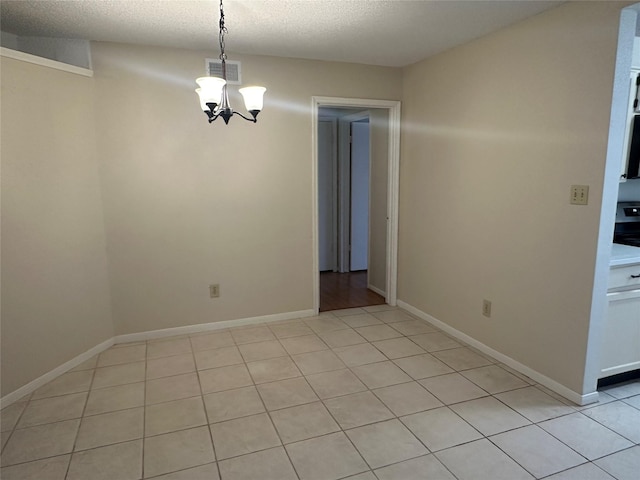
point(632, 109)
point(624, 278)
point(635, 55)
point(621, 339)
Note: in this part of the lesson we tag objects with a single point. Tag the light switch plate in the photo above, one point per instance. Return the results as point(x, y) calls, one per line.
point(579, 194)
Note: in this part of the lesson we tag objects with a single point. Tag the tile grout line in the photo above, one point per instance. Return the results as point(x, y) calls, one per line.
point(84, 408)
point(15, 426)
point(493, 395)
point(204, 406)
point(588, 418)
point(144, 410)
point(368, 389)
point(395, 417)
point(586, 460)
point(273, 425)
point(604, 425)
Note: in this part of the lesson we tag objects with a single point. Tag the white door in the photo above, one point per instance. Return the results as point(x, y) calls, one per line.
point(327, 238)
point(359, 195)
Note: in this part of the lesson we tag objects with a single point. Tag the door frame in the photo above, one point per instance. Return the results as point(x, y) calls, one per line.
point(335, 261)
point(393, 106)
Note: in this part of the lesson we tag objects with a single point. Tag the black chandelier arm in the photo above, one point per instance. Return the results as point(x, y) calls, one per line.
point(254, 120)
point(226, 116)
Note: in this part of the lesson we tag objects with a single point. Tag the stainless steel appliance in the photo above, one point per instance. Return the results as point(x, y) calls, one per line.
point(627, 229)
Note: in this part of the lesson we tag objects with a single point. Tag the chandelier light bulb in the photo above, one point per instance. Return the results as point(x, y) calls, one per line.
point(253, 98)
point(210, 90)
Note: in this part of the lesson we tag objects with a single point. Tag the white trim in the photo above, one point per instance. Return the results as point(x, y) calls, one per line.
point(44, 62)
point(392, 194)
point(334, 189)
point(393, 189)
point(380, 292)
point(315, 239)
point(538, 377)
point(53, 374)
point(206, 327)
point(607, 372)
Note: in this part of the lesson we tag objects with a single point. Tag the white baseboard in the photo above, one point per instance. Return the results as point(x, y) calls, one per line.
point(134, 337)
point(551, 384)
point(205, 327)
point(53, 374)
point(379, 291)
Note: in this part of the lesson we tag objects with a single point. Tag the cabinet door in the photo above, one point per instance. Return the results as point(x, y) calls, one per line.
point(621, 339)
point(632, 109)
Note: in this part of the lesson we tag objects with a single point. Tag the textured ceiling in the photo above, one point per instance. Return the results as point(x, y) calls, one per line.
point(391, 32)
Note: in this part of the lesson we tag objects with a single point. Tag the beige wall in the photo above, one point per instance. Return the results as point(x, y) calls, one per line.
point(494, 134)
point(379, 134)
point(188, 204)
point(55, 297)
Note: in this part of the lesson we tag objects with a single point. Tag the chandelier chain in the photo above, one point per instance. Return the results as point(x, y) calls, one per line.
point(223, 31)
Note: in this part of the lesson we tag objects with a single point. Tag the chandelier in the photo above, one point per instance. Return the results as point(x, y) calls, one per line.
point(214, 99)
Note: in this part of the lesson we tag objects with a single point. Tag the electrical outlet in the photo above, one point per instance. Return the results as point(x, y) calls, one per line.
point(214, 290)
point(579, 194)
point(486, 308)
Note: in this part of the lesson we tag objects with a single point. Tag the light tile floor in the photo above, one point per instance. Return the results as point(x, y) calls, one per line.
point(363, 394)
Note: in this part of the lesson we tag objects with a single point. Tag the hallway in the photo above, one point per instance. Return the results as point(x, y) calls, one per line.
point(346, 290)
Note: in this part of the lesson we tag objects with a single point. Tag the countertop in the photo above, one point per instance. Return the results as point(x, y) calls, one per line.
point(624, 255)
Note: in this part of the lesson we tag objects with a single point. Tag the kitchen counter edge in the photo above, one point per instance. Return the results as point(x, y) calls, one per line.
point(623, 255)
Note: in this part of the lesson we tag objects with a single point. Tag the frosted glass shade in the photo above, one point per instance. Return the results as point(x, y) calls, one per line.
point(253, 97)
point(210, 90)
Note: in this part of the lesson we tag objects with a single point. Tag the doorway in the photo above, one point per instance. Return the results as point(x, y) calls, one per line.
point(355, 197)
point(344, 177)
point(349, 250)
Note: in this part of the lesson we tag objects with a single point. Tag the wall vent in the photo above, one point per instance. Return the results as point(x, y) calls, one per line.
point(234, 72)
